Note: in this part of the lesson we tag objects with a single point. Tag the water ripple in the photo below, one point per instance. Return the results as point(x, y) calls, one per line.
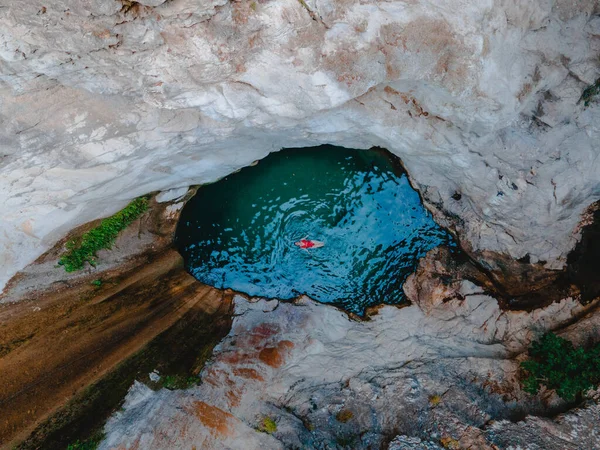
point(240, 232)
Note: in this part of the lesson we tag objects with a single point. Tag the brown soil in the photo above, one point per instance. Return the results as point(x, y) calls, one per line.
point(75, 338)
point(71, 345)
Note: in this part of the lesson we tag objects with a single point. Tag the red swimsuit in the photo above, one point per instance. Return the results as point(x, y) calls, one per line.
point(304, 243)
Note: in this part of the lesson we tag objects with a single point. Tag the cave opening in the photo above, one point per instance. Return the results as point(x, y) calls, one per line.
point(240, 232)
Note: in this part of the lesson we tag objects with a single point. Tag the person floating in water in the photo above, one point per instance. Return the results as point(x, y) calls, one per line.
point(305, 243)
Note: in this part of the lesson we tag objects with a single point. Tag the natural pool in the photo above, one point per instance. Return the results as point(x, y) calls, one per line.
point(239, 232)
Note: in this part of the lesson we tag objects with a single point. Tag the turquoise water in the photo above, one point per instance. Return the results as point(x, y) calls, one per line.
point(239, 233)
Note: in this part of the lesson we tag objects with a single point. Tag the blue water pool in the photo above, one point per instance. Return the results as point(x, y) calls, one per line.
point(239, 233)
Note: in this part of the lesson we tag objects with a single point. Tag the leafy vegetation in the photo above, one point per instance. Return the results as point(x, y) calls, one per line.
point(435, 400)
point(344, 415)
point(84, 249)
point(450, 443)
point(97, 282)
point(89, 444)
point(179, 381)
point(557, 364)
point(268, 425)
point(590, 92)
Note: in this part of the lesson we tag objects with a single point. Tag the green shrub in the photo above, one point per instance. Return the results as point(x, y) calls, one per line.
point(268, 425)
point(83, 249)
point(556, 364)
point(173, 382)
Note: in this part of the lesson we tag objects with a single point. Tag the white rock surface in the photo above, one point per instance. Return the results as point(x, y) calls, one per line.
point(444, 374)
point(105, 100)
point(171, 194)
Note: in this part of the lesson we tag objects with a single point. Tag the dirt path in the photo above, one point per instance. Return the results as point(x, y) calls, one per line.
point(55, 347)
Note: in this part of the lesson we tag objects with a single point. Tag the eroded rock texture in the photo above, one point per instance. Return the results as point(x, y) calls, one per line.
point(410, 378)
point(105, 100)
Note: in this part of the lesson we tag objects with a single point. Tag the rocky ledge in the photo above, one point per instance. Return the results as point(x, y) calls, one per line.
point(306, 375)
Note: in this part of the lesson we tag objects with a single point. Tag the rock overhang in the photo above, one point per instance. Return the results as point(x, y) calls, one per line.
point(106, 102)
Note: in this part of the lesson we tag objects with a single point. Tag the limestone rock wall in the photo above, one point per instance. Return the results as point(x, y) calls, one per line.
point(105, 100)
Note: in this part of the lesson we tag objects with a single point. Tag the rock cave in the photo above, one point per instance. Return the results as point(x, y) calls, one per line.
point(157, 291)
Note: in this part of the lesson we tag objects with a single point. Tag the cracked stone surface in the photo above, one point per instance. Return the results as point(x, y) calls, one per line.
point(405, 379)
point(105, 100)
point(442, 372)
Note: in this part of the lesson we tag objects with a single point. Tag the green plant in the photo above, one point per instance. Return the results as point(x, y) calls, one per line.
point(82, 250)
point(344, 415)
point(268, 425)
point(97, 283)
point(590, 92)
point(86, 445)
point(304, 5)
point(172, 382)
point(557, 364)
point(450, 443)
point(89, 444)
point(435, 400)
